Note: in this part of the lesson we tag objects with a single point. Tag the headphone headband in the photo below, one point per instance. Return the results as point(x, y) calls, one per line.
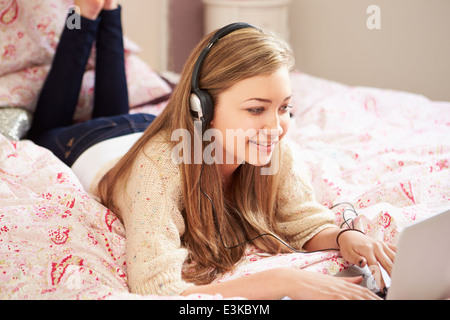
point(216, 37)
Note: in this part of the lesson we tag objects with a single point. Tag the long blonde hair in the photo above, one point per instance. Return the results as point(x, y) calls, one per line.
point(247, 208)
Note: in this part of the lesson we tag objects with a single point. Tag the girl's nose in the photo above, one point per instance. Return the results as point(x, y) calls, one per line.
point(272, 127)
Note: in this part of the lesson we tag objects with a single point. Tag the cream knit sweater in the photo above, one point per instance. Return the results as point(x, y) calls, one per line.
point(151, 205)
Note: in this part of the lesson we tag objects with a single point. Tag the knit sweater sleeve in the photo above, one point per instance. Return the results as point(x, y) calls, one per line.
point(300, 217)
point(151, 210)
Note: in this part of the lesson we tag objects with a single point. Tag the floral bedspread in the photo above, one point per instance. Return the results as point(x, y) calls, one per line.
point(385, 152)
point(56, 241)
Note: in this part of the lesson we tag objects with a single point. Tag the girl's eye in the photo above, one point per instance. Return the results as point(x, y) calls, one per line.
point(256, 110)
point(286, 108)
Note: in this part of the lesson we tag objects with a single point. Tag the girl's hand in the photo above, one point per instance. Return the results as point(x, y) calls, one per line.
point(294, 283)
point(362, 250)
point(308, 285)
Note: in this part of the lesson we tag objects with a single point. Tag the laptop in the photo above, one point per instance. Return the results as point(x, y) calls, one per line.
point(422, 264)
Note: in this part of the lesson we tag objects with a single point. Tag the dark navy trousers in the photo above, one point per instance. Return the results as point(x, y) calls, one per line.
point(53, 126)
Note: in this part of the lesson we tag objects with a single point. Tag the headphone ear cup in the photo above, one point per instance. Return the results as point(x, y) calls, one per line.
point(207, 105)
point(195, 106)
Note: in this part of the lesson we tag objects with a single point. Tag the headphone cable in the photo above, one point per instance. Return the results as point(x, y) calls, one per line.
point(268, 234)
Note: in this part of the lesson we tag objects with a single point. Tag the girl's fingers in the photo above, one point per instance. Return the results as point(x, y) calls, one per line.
point(354, 280)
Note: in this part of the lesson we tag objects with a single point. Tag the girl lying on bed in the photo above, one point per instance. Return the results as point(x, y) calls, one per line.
point(187, 222)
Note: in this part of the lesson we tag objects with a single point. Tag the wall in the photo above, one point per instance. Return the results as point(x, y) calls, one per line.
point(166, 30)
point(186, 28)
point(145, 23)
point(411, 51)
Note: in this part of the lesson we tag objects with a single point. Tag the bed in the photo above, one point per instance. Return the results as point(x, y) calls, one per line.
point(385, 152)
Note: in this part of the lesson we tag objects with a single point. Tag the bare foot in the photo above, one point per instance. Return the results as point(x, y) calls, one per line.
point(110, 5)
point(90, 9)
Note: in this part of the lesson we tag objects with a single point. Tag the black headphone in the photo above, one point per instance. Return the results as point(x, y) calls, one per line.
point(201, 104)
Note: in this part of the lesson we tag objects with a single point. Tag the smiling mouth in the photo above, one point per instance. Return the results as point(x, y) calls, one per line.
point(265, 146)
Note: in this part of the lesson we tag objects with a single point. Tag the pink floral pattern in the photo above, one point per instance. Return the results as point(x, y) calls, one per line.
point(59, 236)
point(56, 240)
point(385, 220)
point(381, 150)
point(386, 157)
point(9, 13)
